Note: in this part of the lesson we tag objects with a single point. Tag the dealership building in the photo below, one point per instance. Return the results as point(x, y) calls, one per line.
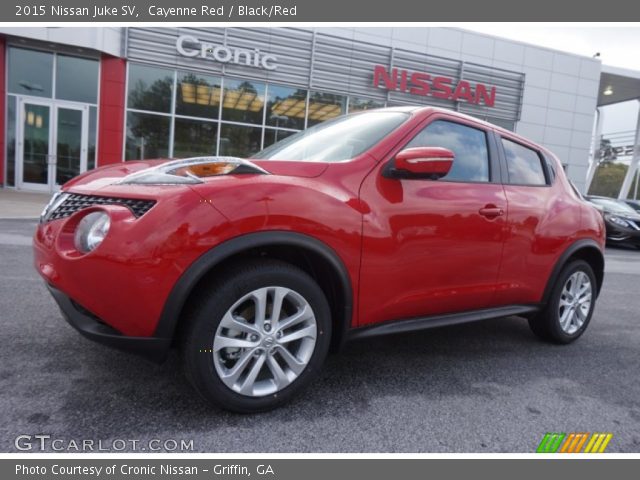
point(77, 98)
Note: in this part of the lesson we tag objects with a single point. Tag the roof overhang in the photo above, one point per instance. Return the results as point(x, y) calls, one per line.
point(623, 84)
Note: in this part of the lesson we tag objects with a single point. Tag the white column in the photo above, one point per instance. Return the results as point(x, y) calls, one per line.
point(635, 159)
point(595, 148)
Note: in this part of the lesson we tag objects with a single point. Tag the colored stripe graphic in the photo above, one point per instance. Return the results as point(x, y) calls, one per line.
point(550, 442)
point(598, 443)
point(553, 442)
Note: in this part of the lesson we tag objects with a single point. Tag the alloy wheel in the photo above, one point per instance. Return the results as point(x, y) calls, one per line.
point(575, 302)
point(264, 341)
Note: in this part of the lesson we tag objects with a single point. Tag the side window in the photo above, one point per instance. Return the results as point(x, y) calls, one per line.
point(469, 145)
point(523, 164)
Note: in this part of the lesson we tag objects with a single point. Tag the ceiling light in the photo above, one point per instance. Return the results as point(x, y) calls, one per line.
point(608, 91)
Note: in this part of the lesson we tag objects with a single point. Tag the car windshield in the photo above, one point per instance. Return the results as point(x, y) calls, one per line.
point(613, 205)
point(340, 139)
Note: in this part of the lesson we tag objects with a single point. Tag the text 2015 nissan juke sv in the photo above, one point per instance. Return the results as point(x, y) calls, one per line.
point(377, 222)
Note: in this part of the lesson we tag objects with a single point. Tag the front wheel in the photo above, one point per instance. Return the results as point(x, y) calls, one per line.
point(259, 334)
point(570, 306)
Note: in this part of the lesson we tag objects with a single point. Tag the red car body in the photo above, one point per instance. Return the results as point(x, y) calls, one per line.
point(389, 253)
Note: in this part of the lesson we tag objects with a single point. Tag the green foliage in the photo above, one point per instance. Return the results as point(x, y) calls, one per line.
point(608, 179)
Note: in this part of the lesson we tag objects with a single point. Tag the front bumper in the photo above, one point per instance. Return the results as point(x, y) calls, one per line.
point(619, 235)
point(152, 348)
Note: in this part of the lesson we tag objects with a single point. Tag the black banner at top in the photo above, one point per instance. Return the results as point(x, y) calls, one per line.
point(279, 11)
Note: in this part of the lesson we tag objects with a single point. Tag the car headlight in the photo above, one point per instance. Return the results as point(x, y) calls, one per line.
point(191, 171)
point(617, 220)
point(91, 231)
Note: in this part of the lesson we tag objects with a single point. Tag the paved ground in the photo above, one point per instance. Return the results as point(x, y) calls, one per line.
point(17, 204)
point(482, 387)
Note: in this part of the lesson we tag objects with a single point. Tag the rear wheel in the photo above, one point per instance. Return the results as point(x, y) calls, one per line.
point(259, 335)
point(570, 306)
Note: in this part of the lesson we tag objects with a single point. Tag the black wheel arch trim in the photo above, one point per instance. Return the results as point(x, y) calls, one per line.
point(180, 292)
point(585, 243)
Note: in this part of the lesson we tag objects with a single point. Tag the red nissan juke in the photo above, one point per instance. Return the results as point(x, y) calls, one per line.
point(373, 223)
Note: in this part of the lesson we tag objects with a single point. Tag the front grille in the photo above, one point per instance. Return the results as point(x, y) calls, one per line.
point(76, 202)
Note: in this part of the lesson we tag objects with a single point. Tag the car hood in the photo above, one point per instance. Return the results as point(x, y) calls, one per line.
point(631, 216)
point(104, 178)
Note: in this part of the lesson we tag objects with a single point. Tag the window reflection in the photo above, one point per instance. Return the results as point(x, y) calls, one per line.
point(325, 106)
point(68, 144)
point(150, 88)
point(274, 135)
point(357, 104)
point(194, 138)
point(243, 101)
point(523, 164)
point(469, 145)
point(239, 141)
point(147, 136)
point(76, 79)
point(286, 107)
point(30, 72)
point(93, 122)
point(11, 140)
point(198, 95)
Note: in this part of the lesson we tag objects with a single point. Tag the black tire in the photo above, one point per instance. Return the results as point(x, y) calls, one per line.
point(218, 296)
point(546, 324)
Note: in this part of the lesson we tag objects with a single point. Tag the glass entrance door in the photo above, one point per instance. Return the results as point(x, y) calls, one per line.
point(34, 144)
point(70, 143)
point(52, 143)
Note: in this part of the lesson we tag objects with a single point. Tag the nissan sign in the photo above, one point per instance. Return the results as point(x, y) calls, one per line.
point(422, 83)
point(189, 46)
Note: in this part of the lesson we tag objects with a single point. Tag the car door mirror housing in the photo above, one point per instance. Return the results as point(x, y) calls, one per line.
point(421, 162)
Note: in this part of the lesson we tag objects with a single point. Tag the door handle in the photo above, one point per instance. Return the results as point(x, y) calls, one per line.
point(491, 211)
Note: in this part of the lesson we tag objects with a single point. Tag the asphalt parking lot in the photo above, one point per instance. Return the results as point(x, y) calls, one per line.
point(483, 387)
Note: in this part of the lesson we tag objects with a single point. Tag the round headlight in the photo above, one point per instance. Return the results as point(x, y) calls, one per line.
point(91, 231)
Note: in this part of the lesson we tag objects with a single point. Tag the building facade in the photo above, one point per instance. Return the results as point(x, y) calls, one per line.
point(76, 98)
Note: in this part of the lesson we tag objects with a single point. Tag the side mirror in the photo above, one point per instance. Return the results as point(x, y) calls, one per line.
point(423, 162)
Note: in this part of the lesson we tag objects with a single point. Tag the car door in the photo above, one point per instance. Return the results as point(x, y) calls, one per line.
point(542, 222)
point(434, 246)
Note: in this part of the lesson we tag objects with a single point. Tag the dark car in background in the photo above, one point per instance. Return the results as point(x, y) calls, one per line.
point(621, 220)
point(635, 204)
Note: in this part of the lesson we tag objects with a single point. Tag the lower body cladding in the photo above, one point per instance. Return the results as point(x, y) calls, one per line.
point(153, 348)
point(156, 349)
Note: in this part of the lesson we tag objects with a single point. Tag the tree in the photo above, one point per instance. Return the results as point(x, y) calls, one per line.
point(608, 179)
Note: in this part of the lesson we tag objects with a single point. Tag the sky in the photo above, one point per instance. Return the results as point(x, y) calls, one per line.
point(618, 47)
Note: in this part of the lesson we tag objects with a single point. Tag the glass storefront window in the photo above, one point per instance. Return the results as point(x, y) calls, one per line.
point(325, 106)
point(197, 95)
point(11, 140)
point(150, 88)
point(243, 101)
point(239, 141)
point(358, 104)
point(30, 72)
point(286, 106)
point(76, 79)
point(193, 138)
point(147, 136)
point(273, 135)
point(93, 126)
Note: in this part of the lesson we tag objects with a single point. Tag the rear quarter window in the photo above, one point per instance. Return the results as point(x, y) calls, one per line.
point(524, 165)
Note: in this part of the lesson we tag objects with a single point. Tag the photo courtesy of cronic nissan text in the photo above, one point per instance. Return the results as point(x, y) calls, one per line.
point(290, 240)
